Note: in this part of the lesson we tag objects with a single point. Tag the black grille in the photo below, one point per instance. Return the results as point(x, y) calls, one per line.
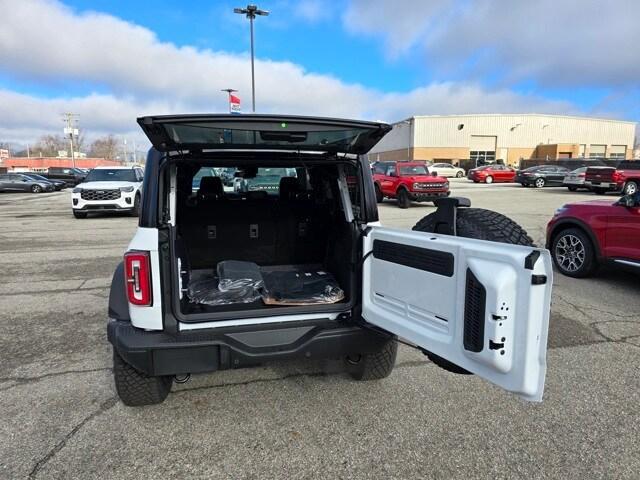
point(421, 258)
point(100, 195)
point(474, 311)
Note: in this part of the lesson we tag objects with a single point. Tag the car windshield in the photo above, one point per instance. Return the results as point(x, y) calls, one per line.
point(111, 175)
point(414, 170)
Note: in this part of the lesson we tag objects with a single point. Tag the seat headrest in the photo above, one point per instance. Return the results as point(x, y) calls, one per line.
point(289, 187)
point(211, 188)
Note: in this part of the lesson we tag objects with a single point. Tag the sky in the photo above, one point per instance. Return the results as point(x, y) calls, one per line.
point(113, 61)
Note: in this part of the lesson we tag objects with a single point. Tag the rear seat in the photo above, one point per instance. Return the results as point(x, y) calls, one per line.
point(258, 228)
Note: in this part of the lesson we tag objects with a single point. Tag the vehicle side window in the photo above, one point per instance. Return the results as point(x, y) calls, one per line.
point(380, 168)
point(391, 171)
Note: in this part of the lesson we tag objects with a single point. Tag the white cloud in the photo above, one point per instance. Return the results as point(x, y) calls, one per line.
point(313, 10)
point(144, 75)
point(568, 42)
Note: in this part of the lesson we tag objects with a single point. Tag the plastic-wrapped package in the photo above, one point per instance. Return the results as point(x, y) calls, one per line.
point(205, 291)
point(234, 274)
point(299, 285)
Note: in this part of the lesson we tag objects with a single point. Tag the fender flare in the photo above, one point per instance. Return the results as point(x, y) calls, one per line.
point(575, 223)
point(118, 303)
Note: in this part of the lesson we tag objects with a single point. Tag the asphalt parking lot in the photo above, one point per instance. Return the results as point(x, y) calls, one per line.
point(60, 417)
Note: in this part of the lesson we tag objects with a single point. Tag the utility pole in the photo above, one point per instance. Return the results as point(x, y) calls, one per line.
point(70, 119)
point(251, 11)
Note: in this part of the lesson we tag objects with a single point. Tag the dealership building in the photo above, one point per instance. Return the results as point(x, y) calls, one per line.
point(492, 137)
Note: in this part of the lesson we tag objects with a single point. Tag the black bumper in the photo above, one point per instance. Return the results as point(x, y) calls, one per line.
point(158, 353)
point(427, 196)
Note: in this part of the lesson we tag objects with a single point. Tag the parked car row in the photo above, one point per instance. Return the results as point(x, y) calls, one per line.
point(28, 182)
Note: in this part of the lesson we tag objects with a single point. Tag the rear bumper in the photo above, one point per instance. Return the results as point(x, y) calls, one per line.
point(428, 196)
point(159, 353)
point(612, 186)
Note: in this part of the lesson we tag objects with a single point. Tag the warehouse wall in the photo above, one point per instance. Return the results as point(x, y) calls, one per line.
point(516, 135)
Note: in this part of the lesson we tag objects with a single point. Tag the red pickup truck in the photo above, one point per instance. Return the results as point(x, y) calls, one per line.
point(407, 182)
point(624, 179)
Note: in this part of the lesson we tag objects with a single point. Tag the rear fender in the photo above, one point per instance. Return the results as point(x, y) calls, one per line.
point(118, 303)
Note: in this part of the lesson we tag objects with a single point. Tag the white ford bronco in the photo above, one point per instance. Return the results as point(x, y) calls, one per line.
point(298, 265)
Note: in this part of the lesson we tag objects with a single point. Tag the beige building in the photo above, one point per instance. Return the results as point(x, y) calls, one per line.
point(491, 137)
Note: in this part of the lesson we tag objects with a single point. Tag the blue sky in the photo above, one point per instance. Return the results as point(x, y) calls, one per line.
point(114, 60)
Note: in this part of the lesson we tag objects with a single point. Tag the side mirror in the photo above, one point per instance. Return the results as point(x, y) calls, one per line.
point(434, 174)
point(628, 201)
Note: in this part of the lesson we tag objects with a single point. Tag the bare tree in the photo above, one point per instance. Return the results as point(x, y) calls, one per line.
point(105, 147)
point(50, 145)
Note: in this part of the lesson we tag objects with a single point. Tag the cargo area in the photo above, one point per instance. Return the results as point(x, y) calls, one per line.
point(251, 238)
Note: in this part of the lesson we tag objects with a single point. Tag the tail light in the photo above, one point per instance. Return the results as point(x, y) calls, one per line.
point(617, 177)
point(582, 175)
point(137, 274)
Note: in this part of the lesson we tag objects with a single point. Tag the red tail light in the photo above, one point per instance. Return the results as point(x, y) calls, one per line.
point(617, 177)
point(137, 273)
point(582, 174)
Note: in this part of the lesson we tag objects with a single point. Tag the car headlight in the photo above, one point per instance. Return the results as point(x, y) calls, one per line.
point(126, 189)
point(76, 190)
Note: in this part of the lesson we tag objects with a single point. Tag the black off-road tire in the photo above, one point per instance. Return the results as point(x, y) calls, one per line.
point(374, 366)
point(136, 389)
point(403, 198)
point(379, 196)
point(79, 214)
point(480, 224)
point(135, 211)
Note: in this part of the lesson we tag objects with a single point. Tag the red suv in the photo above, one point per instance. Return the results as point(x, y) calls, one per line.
point(407, 182)
point(583, 235)
point(491, 174)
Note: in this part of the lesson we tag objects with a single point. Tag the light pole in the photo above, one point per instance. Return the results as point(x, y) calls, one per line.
point(251, 11)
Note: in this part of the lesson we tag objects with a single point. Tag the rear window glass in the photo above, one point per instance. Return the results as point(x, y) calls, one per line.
point(207, 134)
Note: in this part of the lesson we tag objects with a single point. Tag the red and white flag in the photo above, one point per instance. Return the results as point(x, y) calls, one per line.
point(234, 103)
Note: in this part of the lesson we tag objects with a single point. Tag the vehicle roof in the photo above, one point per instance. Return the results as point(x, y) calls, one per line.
point(116, 168)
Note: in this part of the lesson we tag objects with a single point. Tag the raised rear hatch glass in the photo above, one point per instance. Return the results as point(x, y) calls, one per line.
point(262, 132)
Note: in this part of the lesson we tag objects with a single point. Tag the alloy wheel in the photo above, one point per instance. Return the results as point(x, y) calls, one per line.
point(570, 253)
point(539, 182)
point(630, 188)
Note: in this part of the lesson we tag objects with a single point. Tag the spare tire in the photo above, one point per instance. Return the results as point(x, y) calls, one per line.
point(480, 224)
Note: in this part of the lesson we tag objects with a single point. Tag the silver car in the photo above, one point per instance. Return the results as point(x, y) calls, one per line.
point(575, 179)
point(447, 170)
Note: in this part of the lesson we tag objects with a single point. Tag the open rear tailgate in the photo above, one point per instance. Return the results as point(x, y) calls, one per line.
point(261, 132)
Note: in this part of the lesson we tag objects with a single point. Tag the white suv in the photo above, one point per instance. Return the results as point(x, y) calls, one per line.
point(108, 189)
point(215, 279)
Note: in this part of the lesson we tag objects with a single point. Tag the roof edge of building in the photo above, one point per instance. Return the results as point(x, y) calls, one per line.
point(550, 115)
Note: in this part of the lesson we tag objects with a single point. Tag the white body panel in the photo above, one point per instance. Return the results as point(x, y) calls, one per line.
point(149, 318)
point(428, 308)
